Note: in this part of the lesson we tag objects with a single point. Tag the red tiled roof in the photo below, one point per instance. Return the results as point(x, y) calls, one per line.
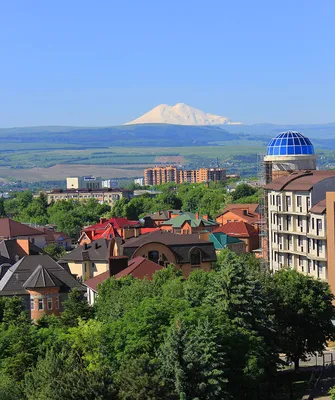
point(117, 223)
point(148, 230)
point(251, 207)
point(237, 229)
point(243, 211)
point(139, 267)
point(92, 283)
point(11, 228)
point(106, 234)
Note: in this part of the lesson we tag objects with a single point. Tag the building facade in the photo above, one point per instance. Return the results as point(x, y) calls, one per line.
point(109, 196)
point(298, 222)
point(84, 182)
point(159, 175)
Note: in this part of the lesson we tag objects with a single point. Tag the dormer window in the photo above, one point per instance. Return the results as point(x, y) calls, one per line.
point(195, 258)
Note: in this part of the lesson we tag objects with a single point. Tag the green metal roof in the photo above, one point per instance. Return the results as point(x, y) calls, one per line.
point(221, 240)
point(179, 221)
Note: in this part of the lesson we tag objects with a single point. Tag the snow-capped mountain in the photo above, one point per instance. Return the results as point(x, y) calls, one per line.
point(180, 114)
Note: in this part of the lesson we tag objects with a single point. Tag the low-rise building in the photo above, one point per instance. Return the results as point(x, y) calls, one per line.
point(139, 268)
point(248, 213)
point(188, 223)
point(109, 196)
point(41, 282)
point(186, 252)
point(243, 231)
point(10, 229)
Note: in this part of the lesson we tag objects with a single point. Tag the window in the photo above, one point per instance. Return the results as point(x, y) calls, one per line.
point(288, 202)
point(289, 260)
point(319, 224)
point(300, 261)
point(308, 202)
point(289, 220)
point(93, 266)
point(300, 241)
point(153, 255)
point(195, 257)
point(300, 221)
point(32, 304)
point(40, 304)
point(299, 201)
point(49, 303)
point(275, 256)
point(57, 303)
point(289, 239)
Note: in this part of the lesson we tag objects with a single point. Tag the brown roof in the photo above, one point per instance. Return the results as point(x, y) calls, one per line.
point(139, 267)
point(319, 208)
point(92, 283)
point(11, 229)
point(252, 207)
point(300, 180)
point(237, 229)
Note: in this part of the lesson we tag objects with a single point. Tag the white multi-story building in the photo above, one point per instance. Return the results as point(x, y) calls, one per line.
point(297, 223)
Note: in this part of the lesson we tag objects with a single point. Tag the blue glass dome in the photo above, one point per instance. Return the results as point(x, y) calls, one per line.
point(289, 143)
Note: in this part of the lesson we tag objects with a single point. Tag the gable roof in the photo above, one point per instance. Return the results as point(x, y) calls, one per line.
point(221, 240)
point(252, 207)
point(52, 236)
point(139, 267)
point(194, 222)
point(31, 270)
point(97, 250)
point(162, 215)
point(11, 248)
point(248, 212)
point(239, 229)
point(11, 229)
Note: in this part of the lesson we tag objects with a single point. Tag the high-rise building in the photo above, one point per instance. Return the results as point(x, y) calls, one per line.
point(159, 175)
point(287, 152)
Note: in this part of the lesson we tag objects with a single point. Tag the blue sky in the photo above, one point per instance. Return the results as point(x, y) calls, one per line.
point(107, 62)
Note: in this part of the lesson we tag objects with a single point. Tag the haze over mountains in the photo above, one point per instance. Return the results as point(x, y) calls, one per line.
point(181, 114)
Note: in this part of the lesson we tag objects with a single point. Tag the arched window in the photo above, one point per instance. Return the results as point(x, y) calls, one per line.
point(195, 257)
point(153, 256)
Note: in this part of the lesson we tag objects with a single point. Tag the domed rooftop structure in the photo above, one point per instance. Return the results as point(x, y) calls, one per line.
point(290, 144)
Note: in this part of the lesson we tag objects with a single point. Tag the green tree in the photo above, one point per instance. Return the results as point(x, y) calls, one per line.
point(55, 250)
point(75, 307)
point(303, 310)
point(243, 190)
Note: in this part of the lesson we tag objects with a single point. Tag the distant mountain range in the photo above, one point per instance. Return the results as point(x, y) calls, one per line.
point(181, 114)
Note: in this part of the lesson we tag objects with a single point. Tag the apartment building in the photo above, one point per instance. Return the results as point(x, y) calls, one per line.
point(84, 182)
point(159, 175)
point(298, 222)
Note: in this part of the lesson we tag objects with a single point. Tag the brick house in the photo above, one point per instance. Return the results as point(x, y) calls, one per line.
point(248, 213)
point(41, 282)
point(243, 231)
point(188, 223)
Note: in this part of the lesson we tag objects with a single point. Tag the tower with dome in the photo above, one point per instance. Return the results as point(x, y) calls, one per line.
point(287, 152)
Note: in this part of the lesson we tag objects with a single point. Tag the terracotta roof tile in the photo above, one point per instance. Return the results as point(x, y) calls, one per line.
point(237, 229)
point(10, 228)
point(300, 180)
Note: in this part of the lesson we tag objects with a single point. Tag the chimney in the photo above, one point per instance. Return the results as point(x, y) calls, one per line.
point(103, 220)
point(245, 211)
point(24, 244)
point(204, 235)
point(117, 264)
point(96, 245)
point(205, 217)
point(197, 215)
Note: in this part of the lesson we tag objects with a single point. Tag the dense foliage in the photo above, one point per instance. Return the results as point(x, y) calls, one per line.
point(69, 216)
point(214, 335)
point(187, 197)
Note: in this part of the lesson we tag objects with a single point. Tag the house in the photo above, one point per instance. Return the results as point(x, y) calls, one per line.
point(110, 228)
point(222, 241)
point(139, 268)
point(186, 252)
point(15, 249)
point(41, 282)
point(188, 223)
point(53, 237)
point(155, 219)
point(89, 260)
point(10, 229)
point(243, 231)
point(248, 213)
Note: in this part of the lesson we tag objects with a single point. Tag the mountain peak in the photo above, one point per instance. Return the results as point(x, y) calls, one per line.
point(180, 114)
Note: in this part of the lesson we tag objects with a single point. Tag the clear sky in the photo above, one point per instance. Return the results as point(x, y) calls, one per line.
point(106, 62)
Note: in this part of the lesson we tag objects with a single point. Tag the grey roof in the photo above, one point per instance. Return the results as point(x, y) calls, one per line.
point(41, 278)
point(11, 249)
point(180, 245)
point(26, 271)
point(98, 250)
